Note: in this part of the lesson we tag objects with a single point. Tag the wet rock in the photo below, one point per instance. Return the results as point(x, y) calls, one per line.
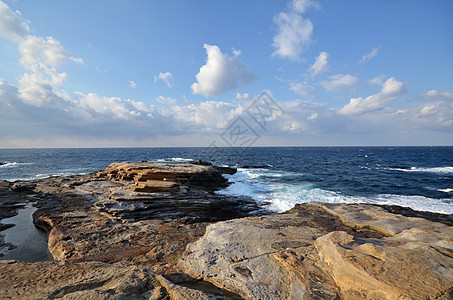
point(22, 186)
point(10, 203)
point(159, 231)
point(4, 185)
point(7, 261)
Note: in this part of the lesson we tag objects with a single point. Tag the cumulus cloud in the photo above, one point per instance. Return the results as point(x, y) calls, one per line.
point(36, 89)
point(436, 114)
point(166, 100)
point(12, 24)
point(294, 32)
point(41, 56)
point(101, 107)
point(368, 56)
point(300, 6)
point(321, 65)
point(435, 95)
point(208, 116)
point(294, 35)
point(391, 90)
point(38, 53)
point(221, 73)
point(309, 117)
point(132, 84)
point(304, 89)
point(378, 80)
point(313, 116)
point(340, 82)
point(91, 115)
point(243, 97)
point(166, 77)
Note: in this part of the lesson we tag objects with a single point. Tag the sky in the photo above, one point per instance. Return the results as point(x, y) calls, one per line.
point(225, 73)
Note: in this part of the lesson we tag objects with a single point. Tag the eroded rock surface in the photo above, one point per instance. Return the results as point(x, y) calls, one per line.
point(141, 214)
point(158, 231)
point(328, 251)
point(87, 280)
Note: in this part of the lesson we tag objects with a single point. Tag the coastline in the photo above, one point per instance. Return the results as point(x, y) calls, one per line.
point(164, 225)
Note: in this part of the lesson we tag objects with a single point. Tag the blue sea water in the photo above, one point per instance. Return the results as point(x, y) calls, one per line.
point(417, 177)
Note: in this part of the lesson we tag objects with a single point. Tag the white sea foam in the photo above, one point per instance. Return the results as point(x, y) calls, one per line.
point(9, 164)
point(439, 170)
point(13, 164)
point(448, 190)
point(45, 175)
point(175, 159)
point(282, 196)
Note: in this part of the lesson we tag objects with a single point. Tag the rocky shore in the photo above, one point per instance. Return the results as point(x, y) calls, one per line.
point(159, 231)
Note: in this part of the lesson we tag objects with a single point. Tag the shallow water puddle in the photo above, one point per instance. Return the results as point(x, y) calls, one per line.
point(30, 242)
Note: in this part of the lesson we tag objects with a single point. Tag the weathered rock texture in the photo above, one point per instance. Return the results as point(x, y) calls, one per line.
point(326, 251)
point(158, 231)
point(88, 280)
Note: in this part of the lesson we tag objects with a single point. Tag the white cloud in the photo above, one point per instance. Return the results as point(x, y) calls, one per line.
point(166, 77)
point(301, 6)
point(294, 32)
point(435, 95)
point(243, 97)
point(378, 80)
point(391, 89)
point(369, 56)
point(38, 53)
point(340, 82)
point(313, 116)
point(12, 24)
point(304, 89)
point(208, 116)
point(236, 52)
point(436, 114)
point(166, 100)
point(321, 65)
point(36, 89)
point(41, 56)
point(221, 73)
point(107, 108)
point(132, 84)
point(91, 119)
point(309, 117)
point(294, 35)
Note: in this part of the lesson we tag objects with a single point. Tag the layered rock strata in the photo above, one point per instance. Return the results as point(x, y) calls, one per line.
point(159, 231)
point(328, 251)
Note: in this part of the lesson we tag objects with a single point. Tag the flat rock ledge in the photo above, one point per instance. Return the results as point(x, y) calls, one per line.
point(159, 231)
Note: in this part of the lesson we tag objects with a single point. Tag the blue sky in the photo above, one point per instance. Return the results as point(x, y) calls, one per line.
point(179, 73)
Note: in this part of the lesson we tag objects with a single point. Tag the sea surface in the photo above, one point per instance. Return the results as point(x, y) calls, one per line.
point(416, 177)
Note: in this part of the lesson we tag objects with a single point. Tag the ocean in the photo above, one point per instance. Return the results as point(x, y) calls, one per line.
point(280, 177)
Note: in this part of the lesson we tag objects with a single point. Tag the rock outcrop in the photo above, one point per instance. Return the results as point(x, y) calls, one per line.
point(159, 231)
point(326, 251)
point(88, 280)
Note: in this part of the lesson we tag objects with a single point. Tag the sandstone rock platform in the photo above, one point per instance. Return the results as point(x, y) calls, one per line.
point(159, 231)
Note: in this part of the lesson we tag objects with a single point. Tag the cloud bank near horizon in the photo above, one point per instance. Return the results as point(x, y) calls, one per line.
point(38, 110)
